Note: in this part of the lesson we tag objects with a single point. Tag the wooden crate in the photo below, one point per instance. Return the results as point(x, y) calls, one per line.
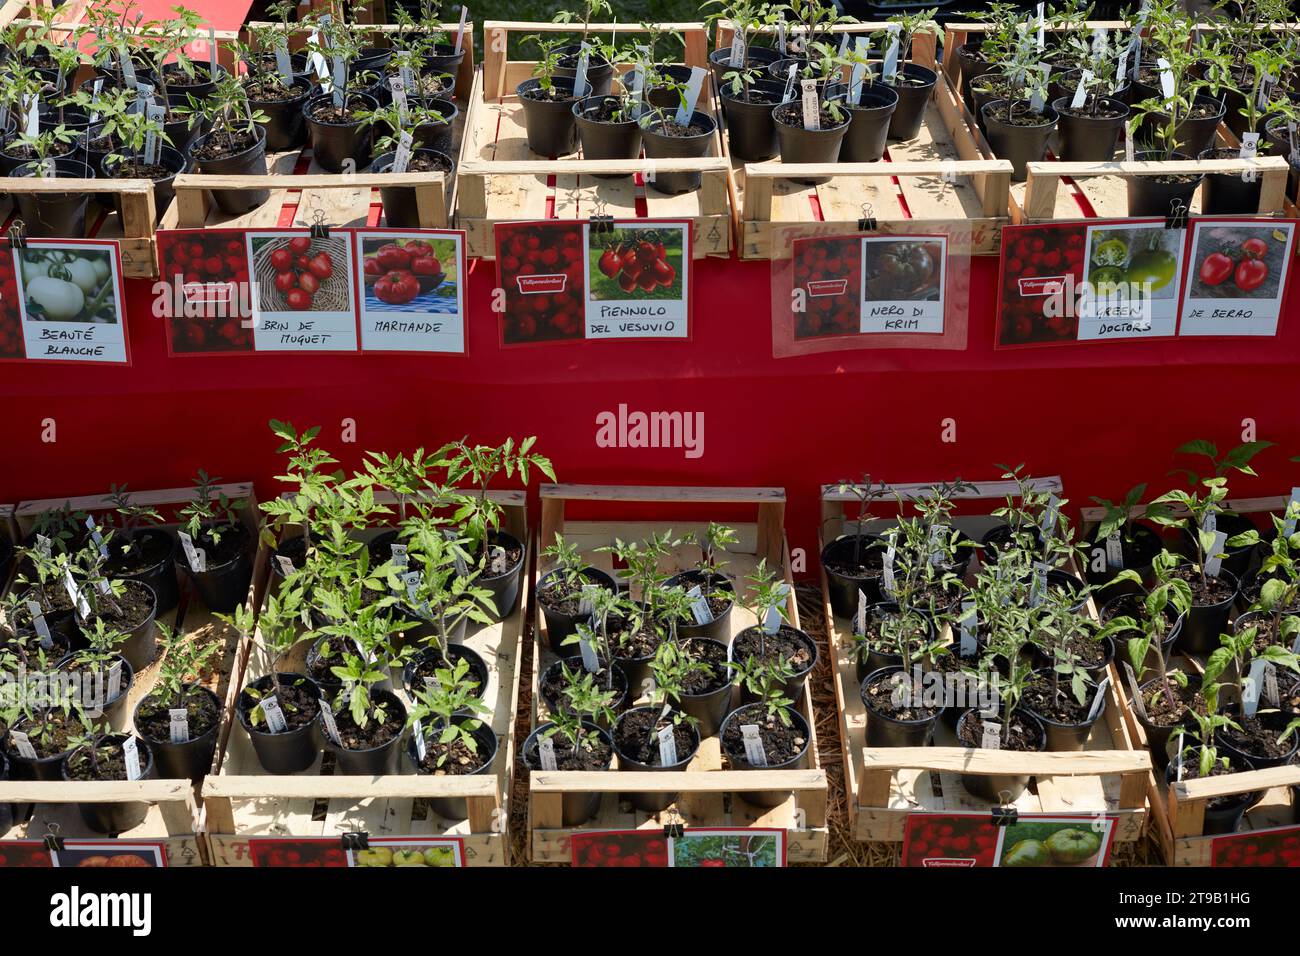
point(502, 180)
point(241, 802)
point(939, 180)
point(704, 785)
point(173, 818)
point(886, 785)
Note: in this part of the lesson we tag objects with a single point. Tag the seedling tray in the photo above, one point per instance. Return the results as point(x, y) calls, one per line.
point(884, 786)
point(710, 796)
point(242, 802)
point(502, 180)
point(173, 816)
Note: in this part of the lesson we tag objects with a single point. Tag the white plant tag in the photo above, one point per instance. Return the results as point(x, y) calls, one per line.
point(789, 83)
point(667, 747)
point(1249, 149)
point(887, 568)
point(686, 111)
point(417, 733)
point(1099, 700)
point(331, 725)
point(178, 725)
point(131, 753)
point(398, 86)
point(969, 630)
point(1050, 514)
point(754, 752)
point(992, 737)
point(1254, 683)
point(33, 115)
point(1081, 91)
point(590, 662)
point(155, 113)
point(584, 600)
point(860, 617)
point(772, 620)
point(339, 82)
point(212, 52)
point(41, 625)
point(859, 72)
point(1135, 47)
point(286, 565)
point(699, 605)
point(399, 555)
point(890, 68)
point(1167, 85)
point(1114, 551)
point(812, 114)
point(96, 537)
point(1265, 88)
point(638, 84)
point(460, 30)
point(546, 753)
point(1121, 71)
point(197, 558)
point(114, 682)
point(23, 743)
point(283, 63)
point(412, 581)
point(74, 593)
point(1039, 585)
point(317, 61)
point(1042, 26)
point(737, 57)
point(128, 68)
point(401, 160)
point(937, 534)
point(1214, 563)
point(1292, 511)
point(97, 90)
point(44, 546)
point(580, 75)
point(275, 722)
point(780, 35)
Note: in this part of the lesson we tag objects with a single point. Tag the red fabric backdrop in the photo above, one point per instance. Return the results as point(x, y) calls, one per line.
point(1104, 416)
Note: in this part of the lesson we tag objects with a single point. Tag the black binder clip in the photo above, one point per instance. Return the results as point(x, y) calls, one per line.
point(868, 221)
point(602, 224)
point(53, 841)
point(1177, 218)
point(17, 235)
point(319, 228)
point(1005, 816)
point(355, 840)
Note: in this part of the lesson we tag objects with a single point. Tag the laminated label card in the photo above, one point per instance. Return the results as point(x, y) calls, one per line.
point(1237, 277)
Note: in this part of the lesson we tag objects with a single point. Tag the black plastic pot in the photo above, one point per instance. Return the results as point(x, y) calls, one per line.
point(401, 209)
point(618, 685)
point(1195, 136)
point(1064, 580)
point(560, 625)
point(869, 123)
point(55, 215)
point(457, 808)
point(26, 768)
point(710, 708)
point(652, 801)
point(376, 761)
point(115, 817)
point(913, 98)
point(799, 145)
point(163, 189)
point(1158, 737)
point(504, 587)
point(886, 731)
point(718, 629)
point(599, 70)
point(755, 56)
point(184, 131)
point(197, 90)
point(1227, 194)
point(1204, 623)
point(334, 144)
point(444, 59)
point(636, 670)
point(844, 590)
point(1001, 788)
point(1064, 737)
point(792, 688)
point(192, 759)
point(1137, 554)
point(372, 59)
point(1018, 145)
point(577, 806)
point(877, 659)
point(765, 798)
point(981, 94)
point(250, 162)
point(223, 587)
point(970, 65)
point(550, 124)
point(1085, 139)
point(436, 135)
point(286, 127)
point(140, 645)
point(1224, 818)
point(1278, 134)
point(605, 140)
point(664, 97)
point(50, 117)
point(1225, 746)
point(455, 654)
point(112, 709)
point(160, 576)
point(329, 686)
point(751, 134)
point(660, 146)
point(1148, 196)
point(292, 751)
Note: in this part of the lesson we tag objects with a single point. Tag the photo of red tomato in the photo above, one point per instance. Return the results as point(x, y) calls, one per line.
point(619, 848)
point(540, 269)
point(1238, 261)
point(1275, 847)
point(636, 262)
point(298, 274)
point(288, 851)
point(949, 840)
point(1037, 262)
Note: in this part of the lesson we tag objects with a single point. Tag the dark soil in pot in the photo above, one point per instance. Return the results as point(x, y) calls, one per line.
point(183, 130)
point(785, 747)
point(224, 585)
point(1164, 715)
point(296, 748)
point(401, 209)
point(454, 759)
point(1222, 814)
point(854, 563)
point(599, 70)
point(49, 752)
point(1063, 581)
point(663, 97)
point(1090, 133)
point(337, 135)
point(751, 133)
point(503, 584)
point(868, 124)
point(996, 540)
point(109, 817)
point(788, 643)
point(199, 86)
point(436, 134)
point(135, 616)
point(96, 674)
point(561, 601)
point(427, 662)
point(552, 683)
point(55, 215)
point(15, 156)
point(286, 127)
point(1237, 558)
point(243, 154)
point(633, 651)
point(1138, 547)
point(596, 753)
point(1062, 716)
point(1092, 655)
point(603, 135)
point(1211, 605)
point(707, 695)
point(548, 117)
point(76, 120)
point(163, 173)
point(1026, 735)
point(1227, 194)
point(799, 145)
point(636, 742)
point(756, 58)
point(985, 89)
point(373, 749)
point(1017, 134)
point(1157, 195)
point(189, 759)
point(1251, 585)
point(150, 558)
point(665, 138)
point(892, 722)
point(877, 647)
point(718, 591)
point(914, 85)
point(1257, 740)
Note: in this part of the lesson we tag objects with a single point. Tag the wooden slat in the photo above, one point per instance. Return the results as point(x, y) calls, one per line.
point(650, 493)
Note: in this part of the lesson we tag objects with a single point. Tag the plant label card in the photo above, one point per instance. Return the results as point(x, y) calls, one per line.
point(734, 849)
point(301, 289)
point(204, 291)
point(902, 284)
point(381, 852)
point(62, 300)
point(411, 290)
point(621, 848)
point(110, 853)
point(1237, 277)
point(946, 840)
point(637, 278)
point(1273, 847)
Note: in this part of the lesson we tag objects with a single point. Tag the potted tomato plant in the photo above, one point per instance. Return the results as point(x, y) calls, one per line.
point(1199, 759)
point(658, 737)
point(235, 145)
point(854, 561)
point(913, 83)
point(100, 663)
point(564, 591)
point(600, 57)
point(711, 609)
point(215, 552)
point(571, 740)
point(548, 101)
point(782, 732)
point(448, 735)
point(277, 95)
point(97, 755)
point(146, 154)
point(179, 718)
point(774, 638)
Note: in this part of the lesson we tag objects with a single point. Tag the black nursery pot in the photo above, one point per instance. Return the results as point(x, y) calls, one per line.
point(111, 710)
point(617, 684)
point(886, 731)
point(457, 808)
point(799, 145)
point(1017, 144)
point(160, 576)
point(576, 806)
point(401, 208)
point(652, 802)
point(1149, 196)
point(599, 70)
point(376, 761)
point(1194, 136)
point(50, 117)
point(115, 817)
point(292, 751)
point(437, 136)
point(663, 97)
point(223, 587)
point(1204, 623)
point(755, 56)
point(996, 787)
point(455, 654)
point(869, 121)
point(250, 162)
point(333, 144)
point(710, 708)
point(192, 759)
point(550, 124)
point(182, 132)
point(1088, 139)
point(970, 65)
point(286, 127)
point(197, 90)
point(751, 134)
point(605, 140)
point(504, 587)
point(1063, 737)
point(876, 659)
point(560, 625)
point(766, 798)
point(26, 768)
point(1157, 736)
point(1237, 559)
point(844, 590)
point(792, 688)
point(163, 189)
point(1227, 194)
point(913, 98)
point(1225, 818)
point(660, 146)
point(444, 59)
point(55, 215)
point(1138, 553)
point(718, 628)
point(140, 645)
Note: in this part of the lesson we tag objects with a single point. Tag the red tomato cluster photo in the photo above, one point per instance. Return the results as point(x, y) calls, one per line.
point(829, 271)
point(211, 270)
point(25, 853)
point(626, 848)
point(1280, 847)
point(11, 314)
point(540, 267)
point(637, 265)
point(1040, 253)
point(399, 271)
point(310, 853)
point(949, 840)
point(299, 273)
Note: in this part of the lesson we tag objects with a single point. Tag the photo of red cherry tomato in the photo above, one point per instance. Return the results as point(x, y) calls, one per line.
point(1215, 268)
